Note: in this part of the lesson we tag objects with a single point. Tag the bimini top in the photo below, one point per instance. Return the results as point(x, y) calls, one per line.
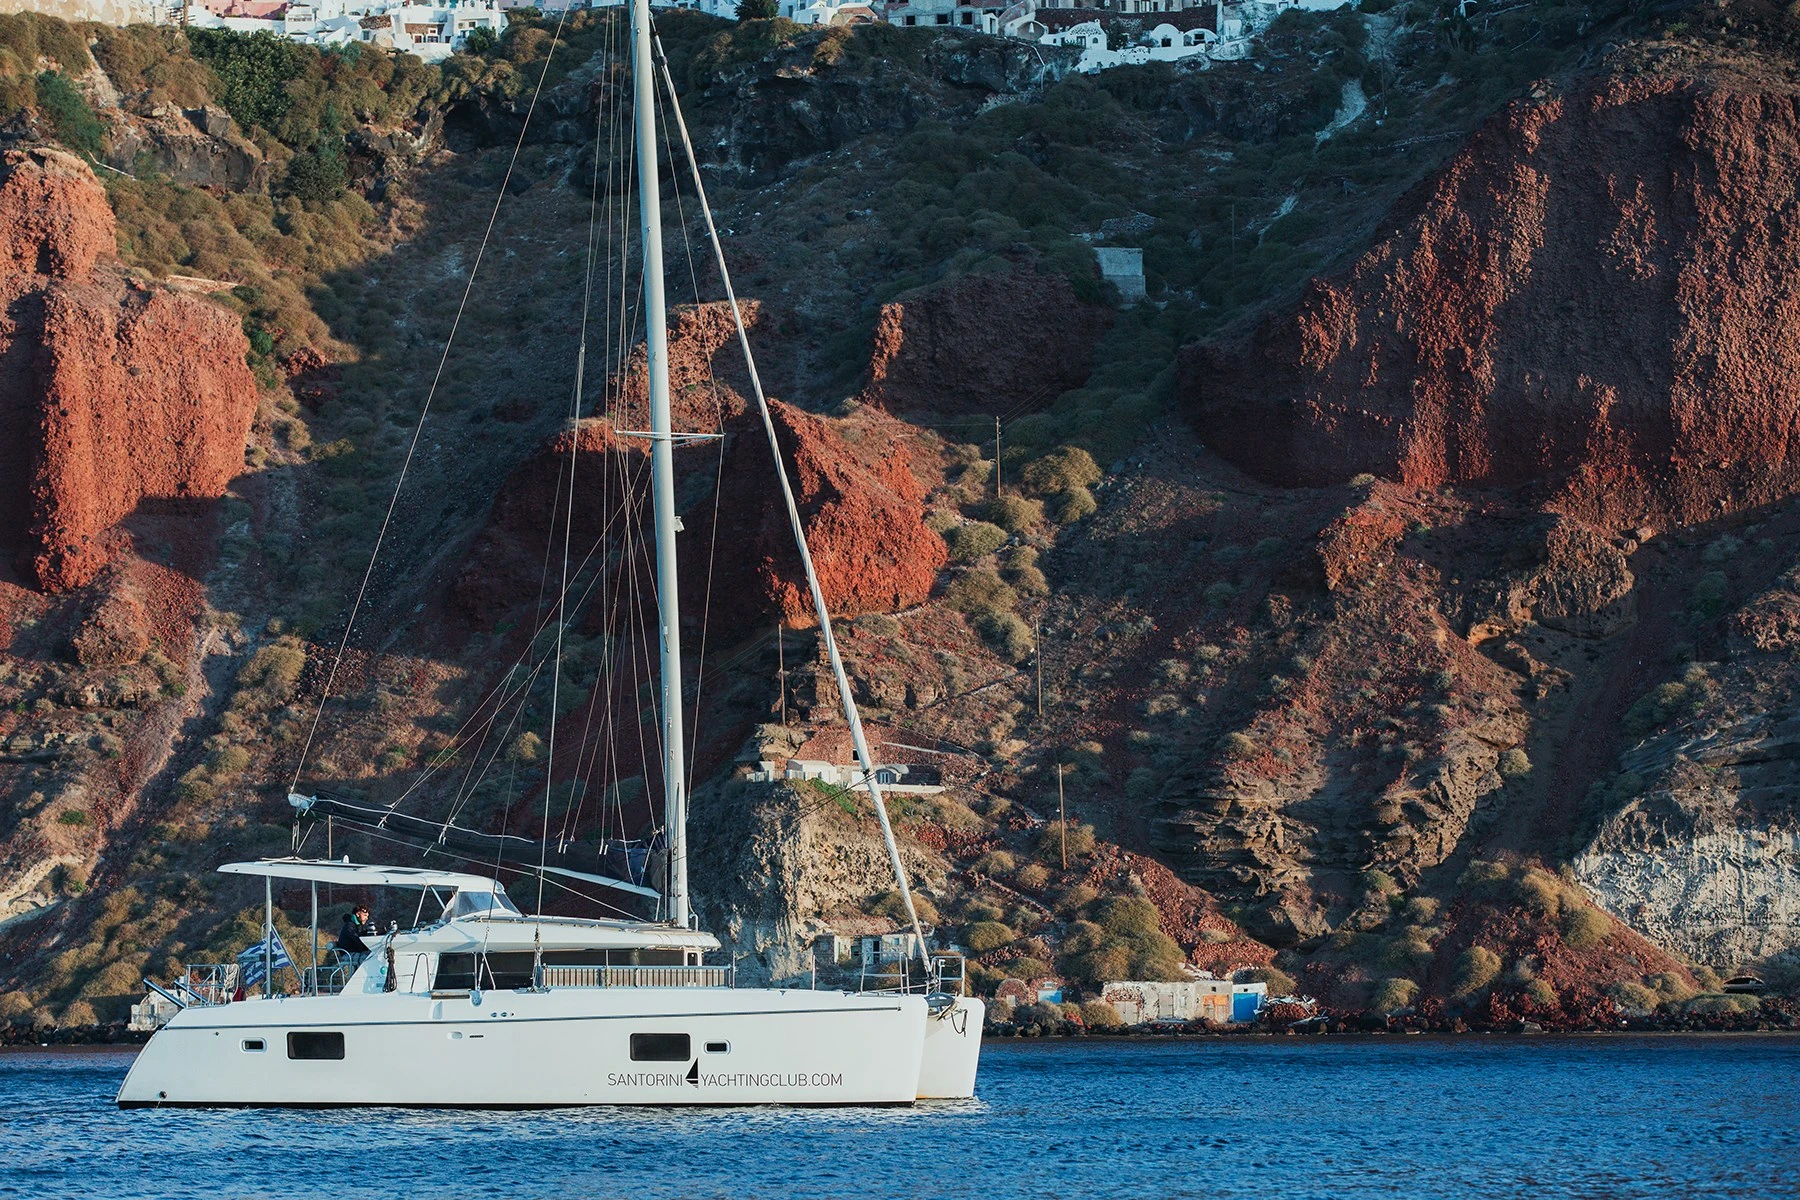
point(359, 874)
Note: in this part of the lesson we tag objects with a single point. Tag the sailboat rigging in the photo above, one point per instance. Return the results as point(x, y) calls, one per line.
point(487, 1006)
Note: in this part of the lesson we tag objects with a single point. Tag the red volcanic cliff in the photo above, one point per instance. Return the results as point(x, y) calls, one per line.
point(113, 393)
point(983, 344)
point(861, 506)
point(863, 511)
point(1596, 295)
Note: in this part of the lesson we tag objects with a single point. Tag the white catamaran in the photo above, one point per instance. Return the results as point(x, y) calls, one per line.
point(485, 1006)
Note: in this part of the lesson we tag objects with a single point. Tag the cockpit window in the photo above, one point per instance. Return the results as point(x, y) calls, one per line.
point(480, 904)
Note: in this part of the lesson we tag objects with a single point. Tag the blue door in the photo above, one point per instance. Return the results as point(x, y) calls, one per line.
point(1244, 1005)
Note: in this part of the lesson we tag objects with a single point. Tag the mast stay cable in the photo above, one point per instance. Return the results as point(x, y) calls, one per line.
point(419, 428)
point(787, 492)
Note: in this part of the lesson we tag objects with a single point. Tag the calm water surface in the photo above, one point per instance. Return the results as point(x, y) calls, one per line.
point(1542, 1117)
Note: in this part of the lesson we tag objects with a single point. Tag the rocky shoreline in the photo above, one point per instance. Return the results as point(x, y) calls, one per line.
point(1778, 1016)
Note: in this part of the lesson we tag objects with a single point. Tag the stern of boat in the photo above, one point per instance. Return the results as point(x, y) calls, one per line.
point(952, 1049)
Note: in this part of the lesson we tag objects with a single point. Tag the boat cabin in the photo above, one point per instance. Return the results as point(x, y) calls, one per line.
point(467, 935)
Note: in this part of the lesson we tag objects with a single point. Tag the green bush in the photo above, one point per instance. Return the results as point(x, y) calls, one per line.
point(1585, 927)
point(1633, 998)
point(318, 174)
point(1539, 892)
point(1379, 883)
point(75, 123)
point(1708, 598)
point(1514, 764)
point(981, 592)
point(1025, 968)
point(254, 70)
point(1722, 1006)
point(1392, 995)
point(1081, 842)
point(1075, 898)
point(1006, 633)
point(30, 36)
point(1475, 968)
point(996, 862)
point(1067, 507)
point(1421, 910)
point(73, 816)
point(1062, 470)
point(1032, 877)
point(974, 540)
point(1541, 994)
point(273, 671)
point(892, 905)
point(984, 936)
point(1098, 1014)
point(1122, 941)
point(1015, 514)
point(1028, 581)
point(1483, 877)
point(230, 762)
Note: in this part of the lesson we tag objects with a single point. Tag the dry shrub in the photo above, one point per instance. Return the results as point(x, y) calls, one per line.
point(1540, 893)
point(1065, 508)
point(1585, 927)
point(1541, 994)
point(1081, 841)
point(1476, 968)
point(973, 540)
point(1392, 995)
point(981, 593)
point(1062, 470)
point(1633, 998)
point(984, 936)
point(1098, 1014)
point(1015, 514)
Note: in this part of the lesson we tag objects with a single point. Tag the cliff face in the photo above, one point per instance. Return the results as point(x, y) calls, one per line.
point(116, 393)
point(1594, 297)
point(983, 344)
point(775, 868)
point(862, 508)
point(1704, 853)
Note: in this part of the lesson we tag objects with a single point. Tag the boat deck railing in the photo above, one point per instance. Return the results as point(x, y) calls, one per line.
point(669, 976)
point(207, 984)
point(947, 975)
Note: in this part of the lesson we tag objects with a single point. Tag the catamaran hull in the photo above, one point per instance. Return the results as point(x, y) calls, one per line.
point(563, 1047)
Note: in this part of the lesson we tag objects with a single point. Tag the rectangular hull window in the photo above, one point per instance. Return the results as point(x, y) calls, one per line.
point(718, 1047)
point(316, 1045)
point(659, 1047)
point(253, 1045)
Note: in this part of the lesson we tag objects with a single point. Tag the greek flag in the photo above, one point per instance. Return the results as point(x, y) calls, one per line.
point(251, 961)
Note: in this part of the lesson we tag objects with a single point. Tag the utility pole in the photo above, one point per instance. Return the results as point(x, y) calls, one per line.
point(996, 457)
point(1062, 816)
point(781, 672)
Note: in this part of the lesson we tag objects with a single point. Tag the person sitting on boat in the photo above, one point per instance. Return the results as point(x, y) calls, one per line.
point(350, 937)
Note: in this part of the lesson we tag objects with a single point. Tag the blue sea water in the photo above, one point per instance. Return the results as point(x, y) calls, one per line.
point(1602, 1117)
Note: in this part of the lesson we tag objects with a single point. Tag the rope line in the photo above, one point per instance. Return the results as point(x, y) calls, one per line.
point(419, 429)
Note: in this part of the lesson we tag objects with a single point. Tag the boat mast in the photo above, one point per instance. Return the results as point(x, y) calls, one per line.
point(662, 464)
point(851, 716)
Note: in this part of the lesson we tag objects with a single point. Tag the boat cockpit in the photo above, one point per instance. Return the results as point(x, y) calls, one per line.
point(465, 935)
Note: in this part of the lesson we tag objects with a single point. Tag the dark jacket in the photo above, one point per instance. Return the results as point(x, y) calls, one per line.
point(349, 938)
